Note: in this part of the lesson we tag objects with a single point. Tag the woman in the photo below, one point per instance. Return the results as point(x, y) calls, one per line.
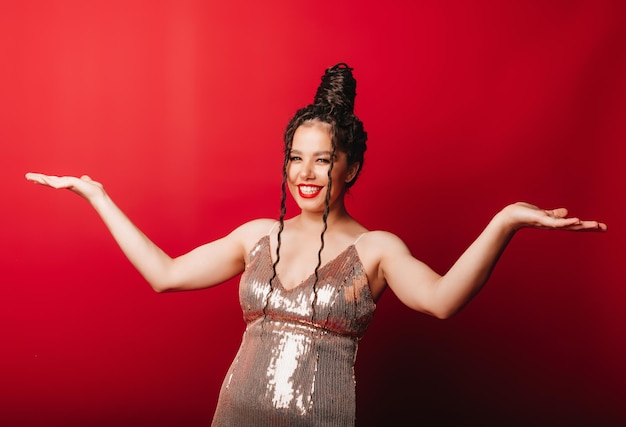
point(310, 283)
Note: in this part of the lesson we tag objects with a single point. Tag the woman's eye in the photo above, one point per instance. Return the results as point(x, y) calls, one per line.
point(326, 161)
point(294, 158)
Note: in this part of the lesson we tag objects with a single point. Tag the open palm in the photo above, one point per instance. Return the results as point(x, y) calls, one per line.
point(83, 186)
point(526, 215)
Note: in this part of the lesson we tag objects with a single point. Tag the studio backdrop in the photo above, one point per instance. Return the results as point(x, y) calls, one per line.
point(178, 108)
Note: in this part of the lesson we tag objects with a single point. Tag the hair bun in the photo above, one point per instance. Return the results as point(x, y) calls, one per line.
point(337, 89)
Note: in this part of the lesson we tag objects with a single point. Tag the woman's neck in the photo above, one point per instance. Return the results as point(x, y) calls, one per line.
point(336, 216)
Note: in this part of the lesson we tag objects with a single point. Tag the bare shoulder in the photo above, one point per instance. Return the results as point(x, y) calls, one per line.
point(374, 249)
point(380, 243)
point(251, 232)
point(263, 225)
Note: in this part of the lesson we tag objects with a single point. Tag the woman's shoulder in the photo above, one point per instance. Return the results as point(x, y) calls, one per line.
point(252, 231)
point(379, 236)
point(258, 224)
point(374, 248)
point(381, 242)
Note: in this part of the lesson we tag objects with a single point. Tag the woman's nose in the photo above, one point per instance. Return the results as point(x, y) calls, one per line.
point(307, 171)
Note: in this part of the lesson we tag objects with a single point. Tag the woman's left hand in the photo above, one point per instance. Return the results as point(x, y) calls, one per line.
point(523, 215)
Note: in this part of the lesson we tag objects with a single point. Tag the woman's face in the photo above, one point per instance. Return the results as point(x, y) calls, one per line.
point(307, 170)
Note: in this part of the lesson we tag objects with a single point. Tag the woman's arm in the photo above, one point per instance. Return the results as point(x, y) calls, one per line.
point(420, 288)
point(204, 266)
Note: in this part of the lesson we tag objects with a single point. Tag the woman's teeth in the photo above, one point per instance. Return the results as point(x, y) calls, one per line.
point(309, 190)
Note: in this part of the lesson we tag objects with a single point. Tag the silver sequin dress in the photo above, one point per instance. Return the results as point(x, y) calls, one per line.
point(291, 371)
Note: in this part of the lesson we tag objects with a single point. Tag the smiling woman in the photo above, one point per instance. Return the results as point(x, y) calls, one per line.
point(310, 283)
point(310, 157)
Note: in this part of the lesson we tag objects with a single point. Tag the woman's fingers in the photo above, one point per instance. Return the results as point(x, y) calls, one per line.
point(83, 186)
point(49, 180)
point(573, 224)
point(527, 215)
point(35, 177)
point(556, 221)
point(557, 213)
point(588, 226)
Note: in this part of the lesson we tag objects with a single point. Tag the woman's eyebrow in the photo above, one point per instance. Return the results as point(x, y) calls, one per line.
point(316, 153)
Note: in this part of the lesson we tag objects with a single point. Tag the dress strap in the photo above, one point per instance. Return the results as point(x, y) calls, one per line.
point(272, 229)
point(359, 238)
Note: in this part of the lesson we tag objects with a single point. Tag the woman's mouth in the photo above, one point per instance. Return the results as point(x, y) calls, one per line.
point(308, 191)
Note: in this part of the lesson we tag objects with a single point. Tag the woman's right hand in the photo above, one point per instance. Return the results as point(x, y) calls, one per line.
point(83, 186)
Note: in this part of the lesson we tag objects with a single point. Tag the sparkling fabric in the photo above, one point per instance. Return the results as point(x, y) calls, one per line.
point(295, 365)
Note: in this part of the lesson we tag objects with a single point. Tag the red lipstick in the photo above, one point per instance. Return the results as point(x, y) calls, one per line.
point(309, 191)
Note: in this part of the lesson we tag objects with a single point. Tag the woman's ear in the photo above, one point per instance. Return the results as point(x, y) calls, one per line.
point(353, 169)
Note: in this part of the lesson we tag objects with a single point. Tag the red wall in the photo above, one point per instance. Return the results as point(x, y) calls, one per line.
point(179, 107)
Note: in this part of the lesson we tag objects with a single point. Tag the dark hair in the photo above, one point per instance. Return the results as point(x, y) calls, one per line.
point(334, 105)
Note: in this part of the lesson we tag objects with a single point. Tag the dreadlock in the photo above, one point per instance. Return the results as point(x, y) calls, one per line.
point(333, 105)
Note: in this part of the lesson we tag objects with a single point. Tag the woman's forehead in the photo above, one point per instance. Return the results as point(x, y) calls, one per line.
point(312, 138)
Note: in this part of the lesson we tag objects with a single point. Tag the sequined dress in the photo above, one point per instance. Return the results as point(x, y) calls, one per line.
point(291, 370)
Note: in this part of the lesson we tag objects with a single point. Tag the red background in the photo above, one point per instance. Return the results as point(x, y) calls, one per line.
point(179, 108)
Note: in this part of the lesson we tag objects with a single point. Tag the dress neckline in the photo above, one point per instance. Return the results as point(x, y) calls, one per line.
point(350, 248)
